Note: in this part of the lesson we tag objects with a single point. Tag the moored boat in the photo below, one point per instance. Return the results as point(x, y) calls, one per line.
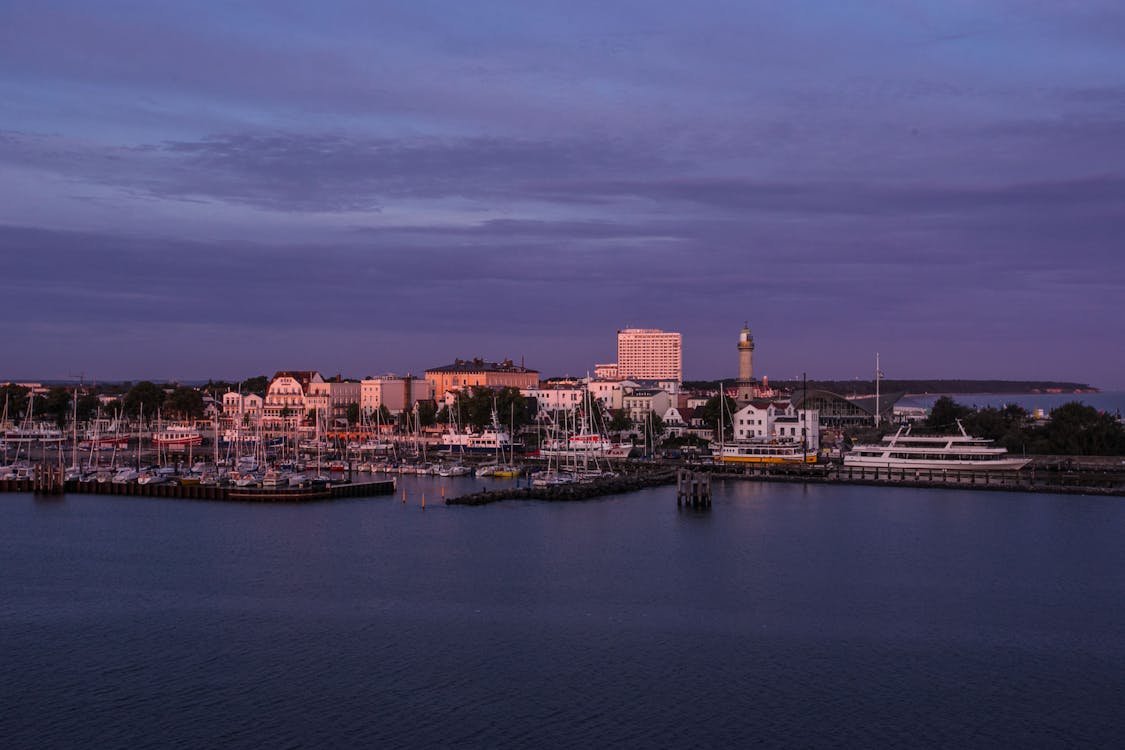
point(951, 452)
point(763, 452)
point(177, 436)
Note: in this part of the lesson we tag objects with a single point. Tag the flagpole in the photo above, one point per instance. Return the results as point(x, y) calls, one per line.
point(877, 389)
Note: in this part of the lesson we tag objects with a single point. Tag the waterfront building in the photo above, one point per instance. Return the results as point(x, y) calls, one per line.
point(238, 405)
point(477, 372)
point(554, 397)
point(331, 398)
point(676, 423)
point(611, 392)
point(285, 396)
point(649, 354)
point(644, 401)
point(396, 393)
point(777, 420)
point(838, 412)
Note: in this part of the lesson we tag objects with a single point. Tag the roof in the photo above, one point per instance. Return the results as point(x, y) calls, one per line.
point(865, 404)
point(765, 403)
point(479, 365)
point(304, 377)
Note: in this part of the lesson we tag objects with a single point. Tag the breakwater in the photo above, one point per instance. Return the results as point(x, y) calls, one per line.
point(569, 492)
point(214, 492)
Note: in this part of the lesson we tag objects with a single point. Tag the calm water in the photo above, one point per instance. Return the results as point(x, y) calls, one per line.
point(820, 616)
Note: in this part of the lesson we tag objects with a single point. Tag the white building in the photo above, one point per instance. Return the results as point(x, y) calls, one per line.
point(394, 392)
point(238, 406)
point(286, 395)
point(611, 392)
point(675, 424)
point(777, 420)
point(555, 397)
point(644, 401)
point(649, 354)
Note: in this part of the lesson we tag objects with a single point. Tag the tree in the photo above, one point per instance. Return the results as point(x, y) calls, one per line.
point(15, 396)
point(353, 414)
point(620, 421)
point(475, 407)
point(719, 408)
point(385, 416)
point(57, 405)
point(443, 416)
point(146, 396)
point(256, 385)
point(1077, 429)
point(656, 424)
point(427, 411)
point(944, 414)
point(185, 402)
point(995, 424)
point(88, 405)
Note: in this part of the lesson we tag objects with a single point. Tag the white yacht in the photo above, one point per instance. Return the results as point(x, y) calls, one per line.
point(955, 452)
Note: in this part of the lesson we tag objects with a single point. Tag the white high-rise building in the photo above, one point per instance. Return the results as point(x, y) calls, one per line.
point(649, 354)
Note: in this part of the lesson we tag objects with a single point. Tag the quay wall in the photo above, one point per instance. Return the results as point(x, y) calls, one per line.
point(210, 492)
point(1034, 479)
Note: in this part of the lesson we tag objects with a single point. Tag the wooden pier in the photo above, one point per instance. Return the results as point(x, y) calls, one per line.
point(48, 480)
point(693, 489)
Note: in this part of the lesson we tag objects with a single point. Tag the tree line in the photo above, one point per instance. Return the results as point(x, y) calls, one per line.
point(1074, 429)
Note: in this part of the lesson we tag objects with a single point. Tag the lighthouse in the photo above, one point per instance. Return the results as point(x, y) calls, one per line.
point(745, 364)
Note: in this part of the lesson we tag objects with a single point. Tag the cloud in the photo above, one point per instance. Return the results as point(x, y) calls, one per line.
point(324, 172)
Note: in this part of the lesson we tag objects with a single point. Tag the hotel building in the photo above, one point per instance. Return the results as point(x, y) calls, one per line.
point(649, 354)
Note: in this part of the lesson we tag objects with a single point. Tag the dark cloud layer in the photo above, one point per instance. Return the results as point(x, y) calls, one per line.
point(385, 186)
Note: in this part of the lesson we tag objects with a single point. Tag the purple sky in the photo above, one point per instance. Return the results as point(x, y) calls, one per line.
point(188, 190)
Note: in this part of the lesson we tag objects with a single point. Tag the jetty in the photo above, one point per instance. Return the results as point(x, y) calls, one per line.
point(170, 491)
point(569, 492)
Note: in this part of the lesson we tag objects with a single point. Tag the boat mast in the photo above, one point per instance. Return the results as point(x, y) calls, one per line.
point(74, 432)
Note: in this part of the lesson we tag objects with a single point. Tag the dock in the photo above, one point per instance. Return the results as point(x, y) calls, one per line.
point(207, 492)
point(1060, 478)
point(570, 492)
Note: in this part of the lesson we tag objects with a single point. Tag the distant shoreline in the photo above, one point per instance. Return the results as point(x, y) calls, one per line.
point(924, 386)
